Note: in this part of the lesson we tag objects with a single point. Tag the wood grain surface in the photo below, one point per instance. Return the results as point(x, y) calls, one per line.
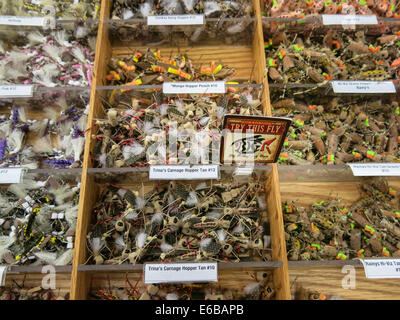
point(238, 57)
point(227, 280)
point(31, 280)
point(306, 193)
point(329, 281)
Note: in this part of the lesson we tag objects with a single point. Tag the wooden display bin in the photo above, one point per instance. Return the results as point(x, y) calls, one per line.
point(45, 102)
point(307, 185)
point(137, 181)
point(303, 184)
point(249, 62)
point(29, 278)
point(30, 275)
point(234, 280)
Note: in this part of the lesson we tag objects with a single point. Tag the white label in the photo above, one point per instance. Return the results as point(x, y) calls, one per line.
point(199, 172)
point(10, 175)
point(3, 271)
point(180, 272)
point(245, 171)
point(381, 268)
point(194, 87)
point(348, 19)
point(57, 216)
point(29, 199)
point(175, 20)
point(363, 87)
point(375, 169)
point(22, 21)
point(16, 91)
point(25, 205)
point(70, 245)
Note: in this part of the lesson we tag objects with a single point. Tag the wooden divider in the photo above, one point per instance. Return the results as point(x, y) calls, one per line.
point(281, 276)
point(87, 195)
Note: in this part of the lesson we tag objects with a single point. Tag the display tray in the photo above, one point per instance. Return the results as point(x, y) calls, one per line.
point(316, 24)
point(46, 130)
point(62, 10)
point(337, 129)
point(159, 118)
point(27, 286)
point(312, 278)
point(232, 285)
point(83, 253)
point(38, 221)
point(244, 65)
point(363, 230)
point(307, 185)
point(56, 57)
point(249, 63)
point(182, 24)
point(285, 9)
point(225, 31)
point(249, 259)
point(308, 53)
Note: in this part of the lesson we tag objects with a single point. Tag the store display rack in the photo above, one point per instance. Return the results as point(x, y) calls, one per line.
point(303, 184)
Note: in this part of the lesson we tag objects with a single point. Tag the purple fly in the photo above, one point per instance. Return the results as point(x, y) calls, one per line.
point(3, 145)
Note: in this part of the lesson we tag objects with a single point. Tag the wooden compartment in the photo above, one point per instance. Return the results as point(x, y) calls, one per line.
point(88, 10)
point(306, 185)
point(219, 27)
point(303, 52)
point(215, 31)
point(45, 121)
point(152, 116)
point(234, 280)
point(28, 274)
point(328, 280)
point(249, 61)
point(35, 279)
point(53, 236)
point(131, 180)
point(320, 115)
point(45, 57)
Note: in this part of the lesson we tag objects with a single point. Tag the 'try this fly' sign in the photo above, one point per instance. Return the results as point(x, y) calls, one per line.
point(252, 138)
